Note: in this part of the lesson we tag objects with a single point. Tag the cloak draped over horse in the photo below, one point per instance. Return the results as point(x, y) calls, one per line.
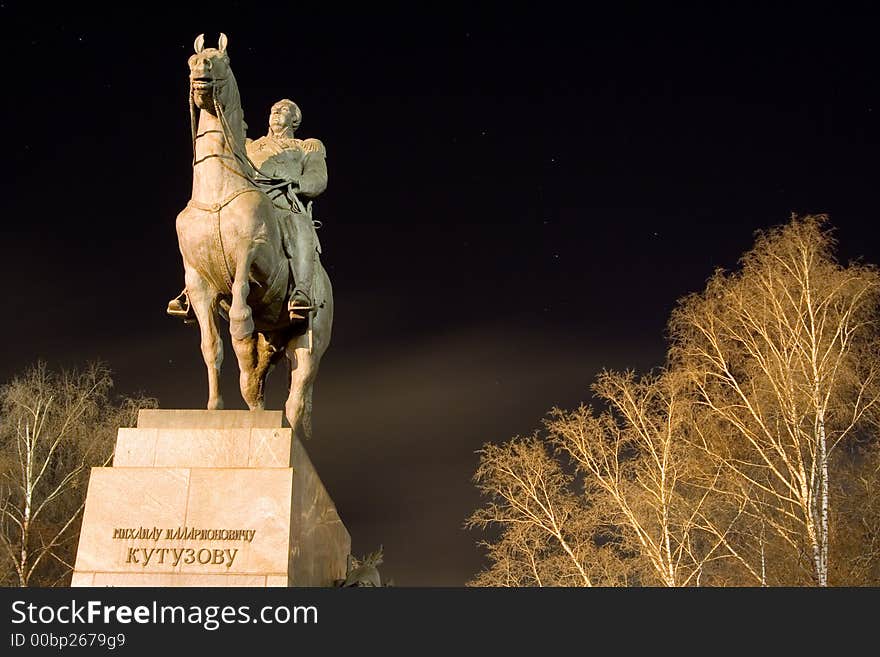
point(235, 238)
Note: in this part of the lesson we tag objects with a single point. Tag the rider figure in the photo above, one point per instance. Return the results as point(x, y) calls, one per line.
point(302, 162)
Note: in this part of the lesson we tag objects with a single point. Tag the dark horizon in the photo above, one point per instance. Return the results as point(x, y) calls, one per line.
point(515, 201)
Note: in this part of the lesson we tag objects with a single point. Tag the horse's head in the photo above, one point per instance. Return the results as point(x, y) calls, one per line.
point(210, 77)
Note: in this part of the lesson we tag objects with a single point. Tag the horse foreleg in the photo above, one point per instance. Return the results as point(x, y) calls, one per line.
point(256, 355)
point(202, 298)
point(249, 380)
point(241, 321)
point(303, 369)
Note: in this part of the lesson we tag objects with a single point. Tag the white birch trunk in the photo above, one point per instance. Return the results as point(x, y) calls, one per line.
point(23, 573)
point(822, 571)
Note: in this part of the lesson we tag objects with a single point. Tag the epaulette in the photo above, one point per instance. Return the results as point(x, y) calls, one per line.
point(313, 145)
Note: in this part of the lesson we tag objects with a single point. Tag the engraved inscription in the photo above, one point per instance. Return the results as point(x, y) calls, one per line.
point(173, 556)
point(183, 534)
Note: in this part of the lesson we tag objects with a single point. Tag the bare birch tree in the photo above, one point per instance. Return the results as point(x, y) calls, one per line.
point(636, 455)
point(546, 532)
point(53, 429)
point(784, 354)
point(751, 458)
point(644, 513)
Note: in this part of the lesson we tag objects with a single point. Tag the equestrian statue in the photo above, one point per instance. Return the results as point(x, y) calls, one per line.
point(249, 247)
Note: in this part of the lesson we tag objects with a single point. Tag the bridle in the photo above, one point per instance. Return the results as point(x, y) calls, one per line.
point(261, 181)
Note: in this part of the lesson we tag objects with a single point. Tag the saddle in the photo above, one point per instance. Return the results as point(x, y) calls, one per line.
point(279, 287)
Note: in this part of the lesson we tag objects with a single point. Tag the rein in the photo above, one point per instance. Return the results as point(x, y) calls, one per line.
point(261, 182)
point(208, 157)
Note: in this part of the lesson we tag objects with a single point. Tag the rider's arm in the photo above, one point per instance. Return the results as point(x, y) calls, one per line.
point(314, 176)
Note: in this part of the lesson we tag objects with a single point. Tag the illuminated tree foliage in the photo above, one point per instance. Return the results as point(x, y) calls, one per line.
point(751, 458)
point(784, 354)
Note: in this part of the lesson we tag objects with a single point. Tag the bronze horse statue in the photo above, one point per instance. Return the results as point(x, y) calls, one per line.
point(231, 236)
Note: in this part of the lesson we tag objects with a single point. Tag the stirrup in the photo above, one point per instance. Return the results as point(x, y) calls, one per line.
point(180, 307)
point(299, 305)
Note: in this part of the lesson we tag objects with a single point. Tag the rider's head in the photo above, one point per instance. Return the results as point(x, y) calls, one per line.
point(284, 114)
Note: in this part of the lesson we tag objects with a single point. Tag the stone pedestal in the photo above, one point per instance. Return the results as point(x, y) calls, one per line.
point(209, 498)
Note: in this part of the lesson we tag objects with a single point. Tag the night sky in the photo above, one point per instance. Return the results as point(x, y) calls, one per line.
point(515, 201)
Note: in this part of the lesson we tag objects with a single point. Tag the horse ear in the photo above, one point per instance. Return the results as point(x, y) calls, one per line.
point(199, 44)
point(221, 44)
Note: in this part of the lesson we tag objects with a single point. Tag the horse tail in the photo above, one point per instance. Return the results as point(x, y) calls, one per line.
point(307, 412)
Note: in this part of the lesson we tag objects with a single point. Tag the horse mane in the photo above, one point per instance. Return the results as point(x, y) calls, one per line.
point(233, 116)
point(233, 110)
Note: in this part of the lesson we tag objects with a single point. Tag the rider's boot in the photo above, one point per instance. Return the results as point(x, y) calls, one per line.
point(300, 304)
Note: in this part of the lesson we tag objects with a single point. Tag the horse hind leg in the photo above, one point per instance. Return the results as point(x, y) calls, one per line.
point(203, 298)
point(305, 359)
point(303, 369)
